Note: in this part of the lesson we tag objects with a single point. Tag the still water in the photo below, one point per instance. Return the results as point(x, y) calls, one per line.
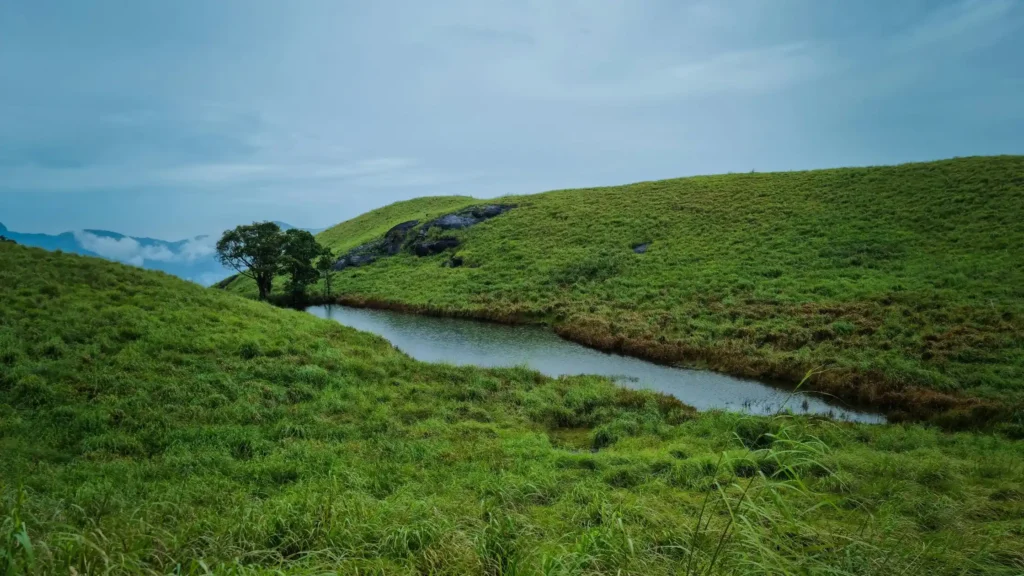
point(459, 341)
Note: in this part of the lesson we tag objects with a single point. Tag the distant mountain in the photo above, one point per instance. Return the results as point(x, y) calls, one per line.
point(286, 226)
point(192, 259)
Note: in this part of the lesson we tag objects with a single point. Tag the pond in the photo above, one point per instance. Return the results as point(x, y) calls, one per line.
point(460, 341)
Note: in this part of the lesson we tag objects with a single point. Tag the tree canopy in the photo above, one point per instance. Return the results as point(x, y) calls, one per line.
point(254, 250)
point(299, 251)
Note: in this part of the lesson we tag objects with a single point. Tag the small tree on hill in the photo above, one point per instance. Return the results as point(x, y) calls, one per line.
point(325, 265)
point(299, 251)
point(254, 250)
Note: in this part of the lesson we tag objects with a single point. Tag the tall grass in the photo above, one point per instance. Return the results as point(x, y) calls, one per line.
point(16, 552)
point(149, 426)
point(904, 280)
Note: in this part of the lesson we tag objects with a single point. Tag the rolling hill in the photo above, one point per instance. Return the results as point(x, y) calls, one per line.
point(902, 285)
point(192, 259)
point(149, 425)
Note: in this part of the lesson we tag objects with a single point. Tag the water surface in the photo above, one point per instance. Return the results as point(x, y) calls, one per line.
point(460, 341)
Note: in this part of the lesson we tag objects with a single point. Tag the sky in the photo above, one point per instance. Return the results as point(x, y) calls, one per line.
point(173, 119)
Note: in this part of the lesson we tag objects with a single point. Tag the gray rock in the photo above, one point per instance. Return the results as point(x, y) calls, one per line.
point(465, 218)
point(395, 237)
point(398, 237)
point(362, 255)
point(490, 211)
point(454, 222)
point(641, 248)
point(434, 246)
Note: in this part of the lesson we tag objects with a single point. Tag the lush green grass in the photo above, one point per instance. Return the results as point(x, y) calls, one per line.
point(905, 283)
point(374, 224)
point(150, 425)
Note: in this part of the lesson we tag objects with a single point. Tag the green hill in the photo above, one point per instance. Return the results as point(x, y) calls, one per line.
point(148, 425)
point(904, 283)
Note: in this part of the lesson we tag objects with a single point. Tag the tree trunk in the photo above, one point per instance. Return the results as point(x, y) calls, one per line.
point(265, 285)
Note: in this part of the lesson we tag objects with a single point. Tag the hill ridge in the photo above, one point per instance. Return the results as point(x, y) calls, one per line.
point(902, 282)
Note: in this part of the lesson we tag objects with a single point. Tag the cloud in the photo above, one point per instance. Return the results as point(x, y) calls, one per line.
point(208, 146)
point(131, 251)
point(230, 173)
point(196, 248)
point(751, 72)
point(212, 175)
point(123, 249)
point(968, 24)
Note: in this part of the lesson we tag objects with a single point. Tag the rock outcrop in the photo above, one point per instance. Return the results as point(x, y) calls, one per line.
point(428, 247)
point(416, 239)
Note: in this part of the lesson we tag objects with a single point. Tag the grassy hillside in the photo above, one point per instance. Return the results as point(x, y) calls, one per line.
point(374, 224)
point(148, 425)
point(904, 282)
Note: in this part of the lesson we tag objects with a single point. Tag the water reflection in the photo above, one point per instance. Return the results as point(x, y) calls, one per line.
point(460, 341)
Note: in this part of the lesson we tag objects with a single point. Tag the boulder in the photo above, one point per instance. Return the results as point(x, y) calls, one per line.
point(362, 255)
point(398, 237)
point(641, 248)
point(490, 211)
point(466, 217)
point(428, 247)
point(395, 237)
point(454, 222)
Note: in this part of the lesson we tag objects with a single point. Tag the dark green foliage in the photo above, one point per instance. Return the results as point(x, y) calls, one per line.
point(254, 250)
point(261, 251)
point(150, 426)
point(325, 269)
point(298, 254)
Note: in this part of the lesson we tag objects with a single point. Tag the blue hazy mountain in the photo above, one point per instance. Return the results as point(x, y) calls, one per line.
point(192, 259)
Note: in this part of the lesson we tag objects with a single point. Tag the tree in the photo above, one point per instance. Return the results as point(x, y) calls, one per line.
point(254, 250)
point(299, 251)
point(325, 265)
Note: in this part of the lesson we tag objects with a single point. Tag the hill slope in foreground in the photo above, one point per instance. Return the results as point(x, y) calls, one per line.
point(148, 425)
point(905, 283)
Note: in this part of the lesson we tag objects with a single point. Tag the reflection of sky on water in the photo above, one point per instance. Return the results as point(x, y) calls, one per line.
point(460, 341)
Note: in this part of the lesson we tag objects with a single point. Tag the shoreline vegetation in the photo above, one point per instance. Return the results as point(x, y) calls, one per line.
point(151, 426)
point(948, 411)
point(900, 286)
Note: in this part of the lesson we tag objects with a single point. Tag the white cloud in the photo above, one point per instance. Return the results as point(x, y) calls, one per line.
point(967, 24)
point(200, 247)
point(131, 251)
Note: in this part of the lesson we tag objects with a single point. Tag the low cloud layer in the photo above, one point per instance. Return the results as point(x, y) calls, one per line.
point(131, 251)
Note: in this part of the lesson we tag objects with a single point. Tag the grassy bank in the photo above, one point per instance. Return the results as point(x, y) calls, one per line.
point(904, 283)
point(148, 425)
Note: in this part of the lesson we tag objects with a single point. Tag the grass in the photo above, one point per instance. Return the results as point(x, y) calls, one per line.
point(903, 282)
point(374, 224)
point(148, 425)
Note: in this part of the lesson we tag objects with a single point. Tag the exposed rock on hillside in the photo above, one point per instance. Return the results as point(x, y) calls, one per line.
point(413, 237)
point(426, 248)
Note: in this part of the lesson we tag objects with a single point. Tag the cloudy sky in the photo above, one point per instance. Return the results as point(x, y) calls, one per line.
point(170, 119)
